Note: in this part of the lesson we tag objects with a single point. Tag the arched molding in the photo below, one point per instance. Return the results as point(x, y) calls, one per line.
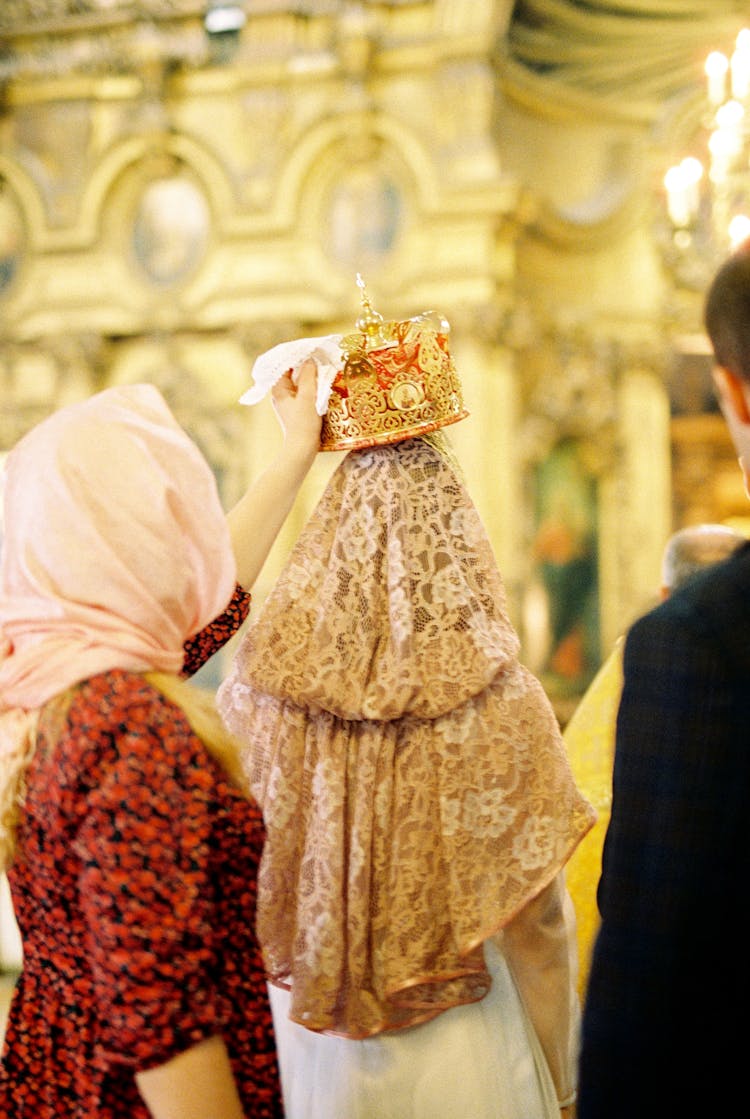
point(139, 155)
point(305, 196)
point(327, 145)
point(29, 200)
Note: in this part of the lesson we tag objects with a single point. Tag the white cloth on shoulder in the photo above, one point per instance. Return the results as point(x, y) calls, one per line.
point(482, 1060)
point(271, 365)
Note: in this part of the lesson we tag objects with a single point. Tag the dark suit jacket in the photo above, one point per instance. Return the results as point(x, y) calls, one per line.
point(666, 1027)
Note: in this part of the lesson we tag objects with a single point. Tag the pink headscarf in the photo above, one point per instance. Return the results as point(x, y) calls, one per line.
point(116, 548)
point(116, 551)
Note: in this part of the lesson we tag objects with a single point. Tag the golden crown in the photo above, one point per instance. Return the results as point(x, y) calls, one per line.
point(398, 381)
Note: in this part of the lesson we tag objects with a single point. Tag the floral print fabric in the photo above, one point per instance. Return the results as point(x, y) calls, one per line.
point(135, 891)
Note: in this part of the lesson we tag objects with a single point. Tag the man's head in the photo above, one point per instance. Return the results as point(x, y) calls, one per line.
point(727, 320)
point(727, 313)
point(691, 549)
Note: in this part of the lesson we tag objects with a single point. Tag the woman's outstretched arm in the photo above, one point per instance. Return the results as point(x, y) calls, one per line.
point(256, 519)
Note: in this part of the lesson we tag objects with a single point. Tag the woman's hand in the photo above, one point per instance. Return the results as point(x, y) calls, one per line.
point(294, 406)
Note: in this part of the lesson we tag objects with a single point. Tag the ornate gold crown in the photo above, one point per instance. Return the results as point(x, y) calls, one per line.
point(398, 381)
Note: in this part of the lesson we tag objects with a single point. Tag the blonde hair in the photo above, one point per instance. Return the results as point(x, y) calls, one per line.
point(199, 708)
point(17, 745)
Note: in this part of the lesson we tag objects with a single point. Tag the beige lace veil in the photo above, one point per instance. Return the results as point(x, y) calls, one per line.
point(411, 772)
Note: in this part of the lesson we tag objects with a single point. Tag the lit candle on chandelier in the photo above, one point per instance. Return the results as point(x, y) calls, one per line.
point(682, 184)
point(725, 142)
point(740, 66)
point(716, 67)
point(739, 230)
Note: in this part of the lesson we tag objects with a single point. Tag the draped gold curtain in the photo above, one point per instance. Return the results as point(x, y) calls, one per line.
point(626, 57)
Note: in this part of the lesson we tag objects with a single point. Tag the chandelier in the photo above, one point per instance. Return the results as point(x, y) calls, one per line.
point(707, 193)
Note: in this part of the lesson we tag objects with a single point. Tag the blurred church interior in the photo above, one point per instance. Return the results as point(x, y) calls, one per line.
point(185, 183)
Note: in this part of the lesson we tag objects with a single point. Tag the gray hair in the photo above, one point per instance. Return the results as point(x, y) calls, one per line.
point(691, 549)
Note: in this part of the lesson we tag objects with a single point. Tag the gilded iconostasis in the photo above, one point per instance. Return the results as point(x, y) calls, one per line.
point(185, 183)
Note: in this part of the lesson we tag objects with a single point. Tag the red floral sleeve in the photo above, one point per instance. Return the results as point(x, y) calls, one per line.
point(199, 648)
point(146, 891)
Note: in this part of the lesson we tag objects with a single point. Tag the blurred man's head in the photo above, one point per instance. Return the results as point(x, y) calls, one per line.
point(727, 320)
point(691, 549)
point(727, 313)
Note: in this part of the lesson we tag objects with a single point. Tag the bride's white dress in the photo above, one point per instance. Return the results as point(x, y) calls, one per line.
point(478, 1061)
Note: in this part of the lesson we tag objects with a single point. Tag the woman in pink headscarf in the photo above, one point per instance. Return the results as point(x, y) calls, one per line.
point(130, 842)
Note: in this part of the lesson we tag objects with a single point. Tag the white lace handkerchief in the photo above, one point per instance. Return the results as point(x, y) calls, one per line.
point(271, 365)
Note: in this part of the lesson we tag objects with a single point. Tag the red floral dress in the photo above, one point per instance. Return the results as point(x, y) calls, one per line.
point(134, 889)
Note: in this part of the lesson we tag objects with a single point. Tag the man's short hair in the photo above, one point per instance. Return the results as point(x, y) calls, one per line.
point(727, 313)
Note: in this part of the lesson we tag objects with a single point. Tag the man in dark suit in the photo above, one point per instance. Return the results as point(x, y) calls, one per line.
point(665, 1032)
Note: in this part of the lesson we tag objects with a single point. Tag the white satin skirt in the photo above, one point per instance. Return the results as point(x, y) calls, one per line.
point(480, 1061)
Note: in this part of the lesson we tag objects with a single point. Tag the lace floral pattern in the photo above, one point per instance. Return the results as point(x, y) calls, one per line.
point(414, 784)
